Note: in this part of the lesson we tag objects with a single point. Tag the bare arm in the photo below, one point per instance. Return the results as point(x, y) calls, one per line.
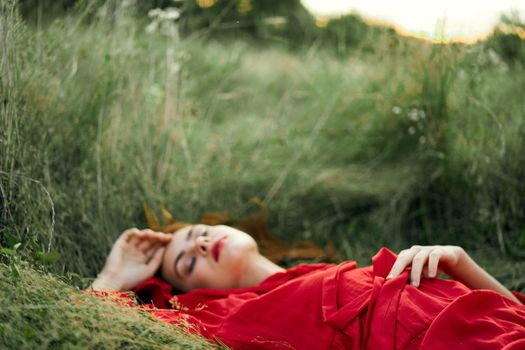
point(134, 257)
point(453, 260)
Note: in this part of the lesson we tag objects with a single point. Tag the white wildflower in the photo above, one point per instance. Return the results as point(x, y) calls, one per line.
point(411, 130)
point(170, 13)
point(152, 27)
point(163, 21)
point(413, 114)
point(154, 13)
point(396, 110)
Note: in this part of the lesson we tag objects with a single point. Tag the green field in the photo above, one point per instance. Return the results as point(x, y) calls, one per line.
point(395, 142)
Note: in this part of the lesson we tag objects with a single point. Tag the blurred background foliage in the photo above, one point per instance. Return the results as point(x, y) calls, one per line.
point(350, 132)
point(343, 126)
point(272, 21)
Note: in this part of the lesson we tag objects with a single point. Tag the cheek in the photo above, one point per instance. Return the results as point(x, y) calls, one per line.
point(165, 270)
point(168, 275)
point(203, 276)
point(239, 251)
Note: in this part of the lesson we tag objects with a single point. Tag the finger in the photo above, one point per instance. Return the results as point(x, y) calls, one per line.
point(152, 238)
point(418, 262)
point(156, 259)
point(146, 242)
point(135, 238)
point(404, 259)
point(145, 245)
point(156, 236)
point(433, 262)
point(152, 250)
point(127, 235)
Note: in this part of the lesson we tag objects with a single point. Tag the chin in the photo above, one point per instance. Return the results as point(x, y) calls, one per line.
point(238, 252)
point(244, 243)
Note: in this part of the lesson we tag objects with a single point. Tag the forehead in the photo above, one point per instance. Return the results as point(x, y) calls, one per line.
point(182, 231)
point(179, 237)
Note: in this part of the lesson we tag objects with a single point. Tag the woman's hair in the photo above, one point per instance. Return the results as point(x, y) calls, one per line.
point(275, 249)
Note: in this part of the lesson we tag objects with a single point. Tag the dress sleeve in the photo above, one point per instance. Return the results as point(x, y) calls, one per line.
point(520, 296)
point(383, 262)
point(156, 292)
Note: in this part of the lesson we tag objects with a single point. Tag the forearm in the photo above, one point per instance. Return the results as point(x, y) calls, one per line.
point(468, 272)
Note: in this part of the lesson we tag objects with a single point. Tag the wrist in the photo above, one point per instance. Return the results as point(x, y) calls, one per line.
point(106, 282)
point(455, 262)
point(463, 257)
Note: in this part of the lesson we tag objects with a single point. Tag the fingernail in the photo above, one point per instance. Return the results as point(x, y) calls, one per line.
point(414, 283)
point(389, 276)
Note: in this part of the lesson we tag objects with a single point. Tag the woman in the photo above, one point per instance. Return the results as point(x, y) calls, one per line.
point(237, 295)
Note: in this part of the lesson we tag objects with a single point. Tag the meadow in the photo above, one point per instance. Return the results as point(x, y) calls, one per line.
point(394, 143)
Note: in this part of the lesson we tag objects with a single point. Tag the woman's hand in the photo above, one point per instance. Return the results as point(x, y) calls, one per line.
point(455, 262)
point(426, 261)
point(134, 257)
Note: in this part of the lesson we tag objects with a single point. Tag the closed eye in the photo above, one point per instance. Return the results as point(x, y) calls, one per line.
point(192, 264)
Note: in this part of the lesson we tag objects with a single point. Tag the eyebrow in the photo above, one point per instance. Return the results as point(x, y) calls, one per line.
point(190, 232)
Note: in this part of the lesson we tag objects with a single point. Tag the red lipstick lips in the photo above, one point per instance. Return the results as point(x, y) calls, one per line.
point(217, 248)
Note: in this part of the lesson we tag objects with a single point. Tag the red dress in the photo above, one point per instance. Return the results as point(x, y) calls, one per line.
point(325, 306)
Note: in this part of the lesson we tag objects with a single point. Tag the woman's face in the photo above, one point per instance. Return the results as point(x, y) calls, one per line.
point(202, 256)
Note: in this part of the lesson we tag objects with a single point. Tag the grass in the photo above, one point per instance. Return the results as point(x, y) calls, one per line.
point(42, 311)
point(406, 143)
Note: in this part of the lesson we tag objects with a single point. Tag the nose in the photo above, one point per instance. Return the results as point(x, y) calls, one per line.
point(202, 245)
